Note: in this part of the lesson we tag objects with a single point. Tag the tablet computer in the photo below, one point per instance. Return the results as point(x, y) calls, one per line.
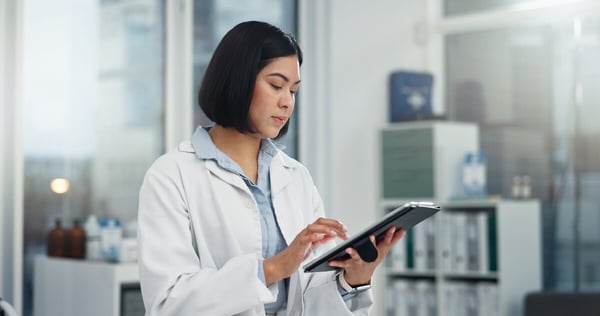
point(404, 217)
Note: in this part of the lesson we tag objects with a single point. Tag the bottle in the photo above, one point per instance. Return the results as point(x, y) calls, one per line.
point(111, 234)
point(517, 184)
point(473, 175)
point(57, 238)
point(526, 187)
point(76, 241)
point(92, 234)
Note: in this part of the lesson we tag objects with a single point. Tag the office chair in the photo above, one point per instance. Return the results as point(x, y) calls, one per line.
point(562, 304)
point(6, 309)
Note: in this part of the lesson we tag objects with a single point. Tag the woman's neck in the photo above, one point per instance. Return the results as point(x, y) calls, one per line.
point(242, 148)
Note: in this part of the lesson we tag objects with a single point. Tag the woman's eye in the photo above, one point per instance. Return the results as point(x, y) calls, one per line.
point(292, 92)
point(276, 87)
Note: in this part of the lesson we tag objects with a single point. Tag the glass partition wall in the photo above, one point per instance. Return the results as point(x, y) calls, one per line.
point(532, 88)
point(93, 113)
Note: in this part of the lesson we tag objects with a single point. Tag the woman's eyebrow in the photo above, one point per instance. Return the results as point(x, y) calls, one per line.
point(282, 76)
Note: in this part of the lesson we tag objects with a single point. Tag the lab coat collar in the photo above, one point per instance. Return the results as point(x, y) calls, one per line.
point(226, 176)
point(280, 173)
point(279, 169)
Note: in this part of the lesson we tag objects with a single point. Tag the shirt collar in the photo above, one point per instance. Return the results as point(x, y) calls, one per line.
point(206, 149)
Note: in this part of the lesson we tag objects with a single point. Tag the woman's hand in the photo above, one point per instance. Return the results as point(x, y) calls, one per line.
point(285, 263)
point(357, 271)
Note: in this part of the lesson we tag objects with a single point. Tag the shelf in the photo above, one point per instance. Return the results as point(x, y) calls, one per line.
point(480, 203)
point(477, 246)
point(493, 276)
point(410, 274)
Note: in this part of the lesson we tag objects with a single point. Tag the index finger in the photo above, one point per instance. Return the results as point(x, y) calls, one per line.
point(335, 225)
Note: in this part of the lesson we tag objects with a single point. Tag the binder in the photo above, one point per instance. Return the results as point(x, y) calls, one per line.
point(420, 248)
point(487, 294)
point(449, 299)
point(445, 241)
point(484, 253)
point(412, 299)
point(472, 242)
point(397, 256)
point(427, 298)
point(492, 242)
point(401, 294)
point(410, 249)
point(390, 303)
point(471, 301)
point(459, 243)
point(429, 227)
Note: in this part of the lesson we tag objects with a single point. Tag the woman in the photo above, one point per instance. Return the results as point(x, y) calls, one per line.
point(227, 219)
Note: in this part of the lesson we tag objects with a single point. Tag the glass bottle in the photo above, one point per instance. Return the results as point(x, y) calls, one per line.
point(57, 240)
point(76, 241)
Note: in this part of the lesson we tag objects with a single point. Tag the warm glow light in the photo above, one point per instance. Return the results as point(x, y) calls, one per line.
point(59, 185)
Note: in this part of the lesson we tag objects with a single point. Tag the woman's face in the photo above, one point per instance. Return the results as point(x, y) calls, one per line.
point(274, 96)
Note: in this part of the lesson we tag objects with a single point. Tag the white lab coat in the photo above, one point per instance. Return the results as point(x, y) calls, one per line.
point(200, 237)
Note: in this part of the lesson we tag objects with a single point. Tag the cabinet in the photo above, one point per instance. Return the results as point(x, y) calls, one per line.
point(423, 160)
point(487, 256)
point(78, 287)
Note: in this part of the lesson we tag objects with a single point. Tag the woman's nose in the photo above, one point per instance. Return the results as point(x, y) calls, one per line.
point(286, 101)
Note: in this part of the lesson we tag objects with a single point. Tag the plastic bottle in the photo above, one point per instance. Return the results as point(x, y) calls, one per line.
point(76, 241)
point(110, 238)
point(517, 184)
point(57, 238)
point(526, 187)
point(474, 175)
point(92, 232)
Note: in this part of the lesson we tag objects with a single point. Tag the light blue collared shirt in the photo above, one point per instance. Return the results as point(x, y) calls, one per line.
point(272, 239)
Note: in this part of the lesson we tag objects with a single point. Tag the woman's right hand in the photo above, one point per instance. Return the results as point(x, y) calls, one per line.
point(285, 263)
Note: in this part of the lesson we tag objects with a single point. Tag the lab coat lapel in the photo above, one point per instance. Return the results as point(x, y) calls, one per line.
point(226, 176)
point(280, 175)
point(282, 195)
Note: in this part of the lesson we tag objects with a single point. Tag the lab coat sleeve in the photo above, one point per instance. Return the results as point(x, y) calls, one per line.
point(322, 296)
point(171, 277)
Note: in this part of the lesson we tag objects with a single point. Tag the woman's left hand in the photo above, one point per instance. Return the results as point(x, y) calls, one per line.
point(357, 271)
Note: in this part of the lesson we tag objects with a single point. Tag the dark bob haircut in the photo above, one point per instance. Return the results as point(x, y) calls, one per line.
point(228, 84)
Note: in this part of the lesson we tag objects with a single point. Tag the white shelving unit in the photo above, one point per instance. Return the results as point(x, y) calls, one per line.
point(78, 287)
point(423, 161)
point(517, 235)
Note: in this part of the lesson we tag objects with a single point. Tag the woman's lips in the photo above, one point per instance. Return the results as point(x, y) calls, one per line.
point(280, 119)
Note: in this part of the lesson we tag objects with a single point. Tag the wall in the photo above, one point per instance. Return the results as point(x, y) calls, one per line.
point(10, 165)
point(359, 46)
point(344, 98)
point(2, 137)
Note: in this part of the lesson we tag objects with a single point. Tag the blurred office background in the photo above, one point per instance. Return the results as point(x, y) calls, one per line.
point(92, 91)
